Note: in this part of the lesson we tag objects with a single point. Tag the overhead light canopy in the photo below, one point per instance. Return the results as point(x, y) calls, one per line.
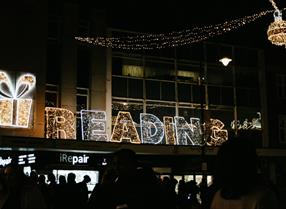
point(225, 61)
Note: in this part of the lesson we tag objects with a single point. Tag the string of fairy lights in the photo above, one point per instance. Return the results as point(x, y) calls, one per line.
point(151, 41)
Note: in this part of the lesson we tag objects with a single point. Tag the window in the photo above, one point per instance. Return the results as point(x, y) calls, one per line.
point(127, 87)
point(83, 27)
point(184, 92)
point(168, 91)
point(135, 88)
point(133, 70)
point(53, 28)
point(160, 70)
point(246, 57)
point(53, 63)
point(127, 67)
point(248, 97)
point(51, 95)
point(214, 95)
point(82, 99)
point(157, 90)
point(82, 103)
point(220, 95)
point(119, 86)
point(153, 90)
point(83, 66)
point(282, 128)
point(281, 86)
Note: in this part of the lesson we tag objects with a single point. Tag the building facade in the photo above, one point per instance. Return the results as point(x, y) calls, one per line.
point(182, 90)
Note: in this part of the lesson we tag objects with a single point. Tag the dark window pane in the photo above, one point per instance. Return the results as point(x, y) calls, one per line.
point(153, 90)
point(214, 95)
point(184, 92)
point(116, 66)
point(242, 97)
point(119, 87)
point(135, 88)
point(51, 99)
point(248, 97)
point(247, 78)
point(81, 103)
point(158, 70)
point(168, 91)
point(53, 28)
point(53, 64)
point(78, 128)
point(254, 97)
point(246, 57)
point(227, 95)
point(213, 53)
point(83, 67)
point(198, 94)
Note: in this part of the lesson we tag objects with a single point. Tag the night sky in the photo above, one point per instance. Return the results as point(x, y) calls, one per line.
point(172, 15)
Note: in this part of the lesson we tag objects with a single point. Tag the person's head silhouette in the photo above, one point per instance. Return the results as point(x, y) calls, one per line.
point(236, 171)
point(125, 162)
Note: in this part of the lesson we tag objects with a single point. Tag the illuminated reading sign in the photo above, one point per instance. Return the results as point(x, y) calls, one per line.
point(93, 124)
point(124, 129)
point(15, 100)
point(217, 133)
point(60, 123)
point(177, 131)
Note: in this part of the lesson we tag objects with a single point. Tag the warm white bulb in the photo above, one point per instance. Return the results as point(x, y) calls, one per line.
point(225, 61)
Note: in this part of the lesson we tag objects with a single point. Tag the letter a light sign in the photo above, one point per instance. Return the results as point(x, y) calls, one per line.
point(15, 100)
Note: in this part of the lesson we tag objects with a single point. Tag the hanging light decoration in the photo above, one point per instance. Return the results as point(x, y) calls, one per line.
point(277, 30)
point(151, 41)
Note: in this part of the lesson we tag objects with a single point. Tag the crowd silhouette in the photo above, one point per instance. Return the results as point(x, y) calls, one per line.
point(127, 185)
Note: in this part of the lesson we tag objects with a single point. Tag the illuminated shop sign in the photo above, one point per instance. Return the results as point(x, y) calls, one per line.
point(60, 123)
point(5, 161)
point(254, 124)
point(73, 159)
point(26, 159)
point(15, 100)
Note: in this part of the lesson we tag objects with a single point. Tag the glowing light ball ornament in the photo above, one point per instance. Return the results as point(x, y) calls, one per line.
point(277, 30)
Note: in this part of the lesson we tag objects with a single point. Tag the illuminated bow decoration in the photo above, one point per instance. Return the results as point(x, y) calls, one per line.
point(24, 85)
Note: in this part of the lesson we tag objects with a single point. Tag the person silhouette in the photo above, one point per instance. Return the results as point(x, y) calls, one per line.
point(20, 192)
point(237, 178)
point(127, 186)
point(84, 189)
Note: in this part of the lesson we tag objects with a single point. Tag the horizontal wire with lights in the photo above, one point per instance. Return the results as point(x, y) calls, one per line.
point(151, 41)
